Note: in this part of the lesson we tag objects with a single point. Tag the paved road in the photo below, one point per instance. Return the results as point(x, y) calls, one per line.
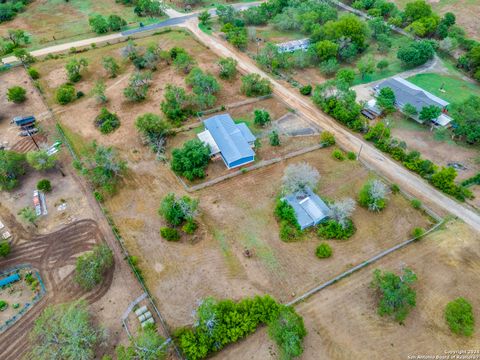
point(409, 181)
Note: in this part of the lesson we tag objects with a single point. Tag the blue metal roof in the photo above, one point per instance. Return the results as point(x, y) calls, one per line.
point(9, 279)
point(232, 139)
point(309, 208)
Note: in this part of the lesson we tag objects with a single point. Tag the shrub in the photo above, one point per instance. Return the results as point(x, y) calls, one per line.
point(92, 266)
point(332, 229)
point(274, 138)
point(327, 139)
point(261, 117)
point(3, 305)
point(306, 90)
point(338, 154)
point(190, 227)
point(289, 232)
point(284, 211)
point(169, 234)
point(418, 232)
point(228, 68)
point(191, 160)
point(16, 94)
point(255, 85)
point(106, 121)
point(459, 316)
point(4, 248)
point(396, 297)
point(373, 195)
point(65, 94)
point(177, 210)
point(323, 251)
point(416, 204)
point(351, 155)
point(44, 185)
point(395, 188)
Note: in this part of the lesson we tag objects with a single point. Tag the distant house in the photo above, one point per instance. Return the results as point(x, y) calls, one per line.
point(408, 93)
point(294, 45)
point(309, 209)
point(232, 142)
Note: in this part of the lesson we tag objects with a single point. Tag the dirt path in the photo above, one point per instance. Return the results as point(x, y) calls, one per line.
point(371, 156)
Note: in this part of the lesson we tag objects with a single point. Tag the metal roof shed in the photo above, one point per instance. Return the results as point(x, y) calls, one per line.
point(9, 279)
point(233, 141)
point(309, 209)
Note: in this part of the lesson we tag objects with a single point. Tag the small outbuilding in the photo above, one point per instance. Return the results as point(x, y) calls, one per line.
point(232, 142)
point(309, 209)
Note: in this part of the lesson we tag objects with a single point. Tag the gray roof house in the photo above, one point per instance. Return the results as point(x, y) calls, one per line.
point(294, 45)
point(233, 142)
point(408, 93)
point(309, 209)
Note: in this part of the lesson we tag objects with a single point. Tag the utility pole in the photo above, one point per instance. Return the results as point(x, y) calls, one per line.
point(31, 137)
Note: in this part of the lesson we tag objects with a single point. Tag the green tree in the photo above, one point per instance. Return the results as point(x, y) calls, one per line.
point(274, 138)
point(28, 214)
point(191, 160)
point(288, 331)
point(65, 94)
point(16, 94)
point(261, 117)
point(366, 66)
point(154, 131)
point(18, 37)
point(429, 113)
point(326, 49)
point(149, 8)
point(416, 10)
point(65, 331)
point(396, 296)
point(44, 185)
point(98, 91)
point(106, 121)
point(254, 85)
point(225, 13)
point(409, 110)
point(91, 266)
point(177, 210)
point(111, 66)
point(74, 68)
point(348, 26)
point(382, 64)
point(102, 167)
point(228, 68)
point(98, 24)
point(204, 86)
point(323, 251)
point(386, 100)
point(40, 160)
point(459, 316)
point(184, 62)
point(345, 76)
point(24, 56)
point(465, 116)
point(116, 23)
point(177, 104)
point(4, 248)
point(204, 17)
point(138, 86)
point(147, 345)
point(12, 166)
point(416, 53)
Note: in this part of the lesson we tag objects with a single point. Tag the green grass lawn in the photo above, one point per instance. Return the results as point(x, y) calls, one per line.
point(456, 89)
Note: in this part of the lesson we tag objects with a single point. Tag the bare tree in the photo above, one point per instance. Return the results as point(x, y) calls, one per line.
point(298, 177)
point(378, 190)
point(341, 211)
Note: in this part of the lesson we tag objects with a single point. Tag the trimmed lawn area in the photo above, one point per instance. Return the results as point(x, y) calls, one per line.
point(455, 89)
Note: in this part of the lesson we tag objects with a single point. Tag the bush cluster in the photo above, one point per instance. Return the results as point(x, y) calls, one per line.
point(178, 211)
point(169, 234)
point(44, 185)
point(459, 316)
point(224, 322)
point(327, 139)
point(106, 121)
point(338, 154)
point(442, 179)
point(323, 251)
point(289, 227)
point(331, 229)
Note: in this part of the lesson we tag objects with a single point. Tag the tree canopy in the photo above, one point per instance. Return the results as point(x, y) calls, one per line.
point(466, 117)
point(147, 345)
point(12, 166)
point(91, 266)
point(191, 160)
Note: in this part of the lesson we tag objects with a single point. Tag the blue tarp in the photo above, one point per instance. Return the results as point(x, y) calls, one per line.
point(9, 279)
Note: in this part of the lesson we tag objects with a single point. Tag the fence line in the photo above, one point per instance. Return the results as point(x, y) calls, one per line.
point(360, 266)
point(109, 221)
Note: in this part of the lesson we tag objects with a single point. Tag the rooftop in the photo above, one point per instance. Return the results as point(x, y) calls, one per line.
point(309, 208)
point(232, 140)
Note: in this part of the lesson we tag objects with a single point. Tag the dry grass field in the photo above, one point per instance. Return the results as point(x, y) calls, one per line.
point(342, 321)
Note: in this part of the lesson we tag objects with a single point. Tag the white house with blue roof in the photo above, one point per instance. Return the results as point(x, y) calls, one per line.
point(232, 142)
point(309, 209)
